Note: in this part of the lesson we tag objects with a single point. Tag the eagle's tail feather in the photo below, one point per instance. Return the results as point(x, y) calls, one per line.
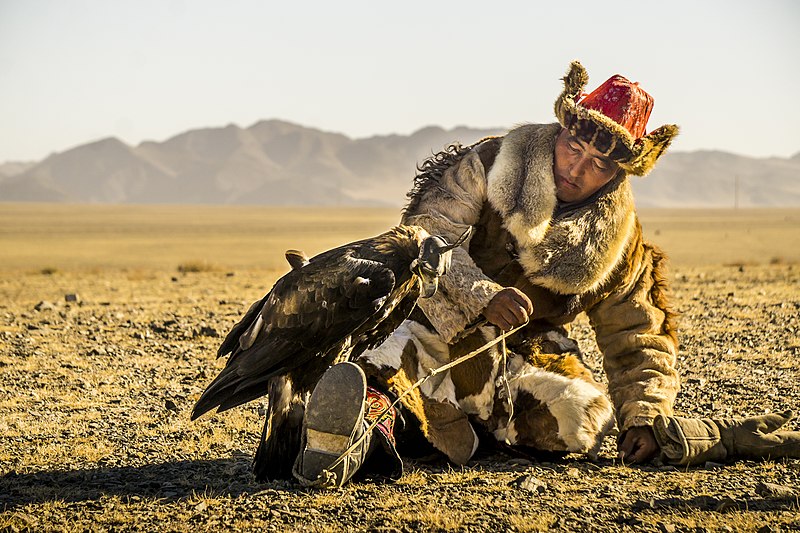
point(281, 439)
point(229, 390)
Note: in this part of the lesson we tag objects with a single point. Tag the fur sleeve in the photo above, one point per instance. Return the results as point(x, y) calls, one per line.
point(635, 332)
point(447, 206)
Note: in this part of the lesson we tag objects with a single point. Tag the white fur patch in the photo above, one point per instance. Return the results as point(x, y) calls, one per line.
point(520, 183)
point(389, 354)
point(568, 400)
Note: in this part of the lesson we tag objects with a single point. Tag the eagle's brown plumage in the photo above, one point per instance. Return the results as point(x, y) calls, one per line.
point(326, 309)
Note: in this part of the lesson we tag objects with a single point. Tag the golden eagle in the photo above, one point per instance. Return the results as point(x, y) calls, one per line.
point(327, 309)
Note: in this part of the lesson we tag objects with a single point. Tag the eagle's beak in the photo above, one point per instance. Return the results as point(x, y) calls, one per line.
point(429, 285)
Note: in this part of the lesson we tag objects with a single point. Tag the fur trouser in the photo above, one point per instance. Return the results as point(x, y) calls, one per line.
point(557, 405)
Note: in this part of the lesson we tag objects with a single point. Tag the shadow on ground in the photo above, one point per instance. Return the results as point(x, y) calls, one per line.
point(719, 504)
point(168, 481)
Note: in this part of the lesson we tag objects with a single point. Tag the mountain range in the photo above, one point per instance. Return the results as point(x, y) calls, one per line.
point(275, 162)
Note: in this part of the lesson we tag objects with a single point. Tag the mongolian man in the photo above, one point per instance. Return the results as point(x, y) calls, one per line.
point(554, 234)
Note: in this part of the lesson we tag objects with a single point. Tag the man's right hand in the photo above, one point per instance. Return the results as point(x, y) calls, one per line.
point(508, 309)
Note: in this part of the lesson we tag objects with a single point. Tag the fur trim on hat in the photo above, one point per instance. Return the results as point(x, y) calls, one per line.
point(635, 156)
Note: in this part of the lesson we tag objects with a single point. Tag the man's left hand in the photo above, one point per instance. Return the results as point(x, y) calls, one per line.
point(638, 446)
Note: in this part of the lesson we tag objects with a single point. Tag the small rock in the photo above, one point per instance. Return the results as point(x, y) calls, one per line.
point(174, 279)
point(531, 484)
point(207, 331)
point(700, 382)
point(169, 405)
point(727, 504)
point(573, 473)
point(773, 490)
point(666, 528)
point(44, 305)
point(230, 274)
point(71, 297)
point(200, 507)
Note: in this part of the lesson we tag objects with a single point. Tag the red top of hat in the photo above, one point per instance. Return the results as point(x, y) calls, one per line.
point(623, 102)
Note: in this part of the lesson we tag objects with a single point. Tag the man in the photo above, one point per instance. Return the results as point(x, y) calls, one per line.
point(555, 233)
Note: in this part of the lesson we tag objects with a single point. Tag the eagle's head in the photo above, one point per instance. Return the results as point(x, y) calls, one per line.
point(433, 261)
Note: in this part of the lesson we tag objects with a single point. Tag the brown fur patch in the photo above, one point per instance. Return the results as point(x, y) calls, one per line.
point(470, 377)
point(535, 425)
point(563, 364)
point(659, 294)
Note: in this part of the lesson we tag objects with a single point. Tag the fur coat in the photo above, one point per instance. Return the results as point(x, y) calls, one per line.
point(588, 258)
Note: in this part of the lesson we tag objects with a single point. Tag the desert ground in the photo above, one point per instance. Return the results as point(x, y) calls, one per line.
point(109, 322)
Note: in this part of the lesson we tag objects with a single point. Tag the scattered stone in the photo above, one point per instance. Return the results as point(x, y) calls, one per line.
point(700, 382)
point(531, 484)
point(230, 274)
point(44, 305)
point(206, 331)
point(71, 297)
point(573, 473)
point(174, 279)
point(773, 490)
point(169, 405)
point(666, 528)
point(727, 504)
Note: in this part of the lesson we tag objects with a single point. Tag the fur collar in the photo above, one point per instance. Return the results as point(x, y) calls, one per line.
point(572, 254)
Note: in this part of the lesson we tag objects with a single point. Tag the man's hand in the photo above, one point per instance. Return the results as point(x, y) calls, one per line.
point(638, 446)
point(508, 309)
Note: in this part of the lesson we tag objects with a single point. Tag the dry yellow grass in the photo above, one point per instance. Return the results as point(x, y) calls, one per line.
point(87, 441)
point(47, 236)
point(53, 237)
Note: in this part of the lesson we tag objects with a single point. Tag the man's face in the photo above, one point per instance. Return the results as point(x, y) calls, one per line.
point(579, 169)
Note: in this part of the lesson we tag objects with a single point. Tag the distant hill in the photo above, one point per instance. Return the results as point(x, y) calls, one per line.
point(709, 179)
point(279, 163)
point(14, 168)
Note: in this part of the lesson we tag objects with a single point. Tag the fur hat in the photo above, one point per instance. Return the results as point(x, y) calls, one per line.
point(613, 119)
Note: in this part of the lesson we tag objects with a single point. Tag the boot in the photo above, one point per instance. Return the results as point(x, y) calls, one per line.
point(692, 441)
point(334, 421)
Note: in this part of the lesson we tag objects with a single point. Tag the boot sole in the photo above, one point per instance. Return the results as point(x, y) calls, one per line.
point(335, 412)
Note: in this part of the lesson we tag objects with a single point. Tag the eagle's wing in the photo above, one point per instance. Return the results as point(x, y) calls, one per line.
point(308, 313)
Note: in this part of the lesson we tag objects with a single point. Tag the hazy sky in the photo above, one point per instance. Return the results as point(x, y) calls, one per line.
point(728, 72)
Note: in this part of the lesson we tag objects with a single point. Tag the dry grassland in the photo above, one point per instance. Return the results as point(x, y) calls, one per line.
point(95, 395)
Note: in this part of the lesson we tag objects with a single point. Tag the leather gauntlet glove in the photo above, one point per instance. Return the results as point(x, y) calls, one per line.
point(691, 441)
